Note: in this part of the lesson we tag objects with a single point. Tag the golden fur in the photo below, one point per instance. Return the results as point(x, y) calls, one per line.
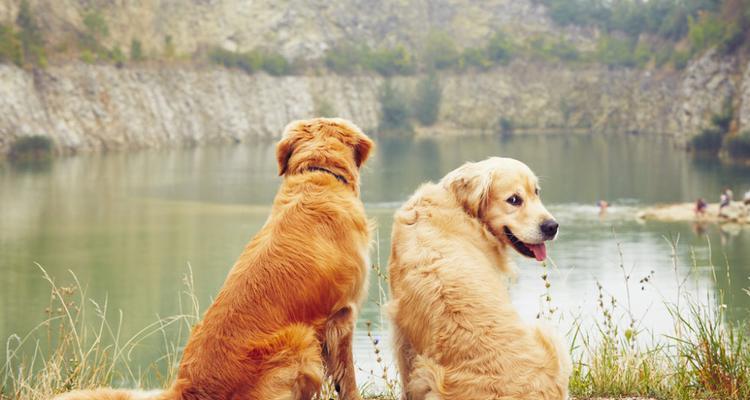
point(457, 335)
point(285, 315)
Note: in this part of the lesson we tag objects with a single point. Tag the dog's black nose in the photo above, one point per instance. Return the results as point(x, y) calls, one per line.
point(549, 228)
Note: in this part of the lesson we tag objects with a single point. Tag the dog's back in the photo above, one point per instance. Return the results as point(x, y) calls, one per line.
point(295, 288)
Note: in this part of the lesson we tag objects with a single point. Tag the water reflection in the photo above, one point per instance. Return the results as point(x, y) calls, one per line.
point(128, 224)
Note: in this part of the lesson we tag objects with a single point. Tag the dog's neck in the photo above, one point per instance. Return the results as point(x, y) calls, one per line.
point(338, 177)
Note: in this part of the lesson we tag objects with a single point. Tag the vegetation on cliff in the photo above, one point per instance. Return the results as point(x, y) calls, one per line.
point(632, 33)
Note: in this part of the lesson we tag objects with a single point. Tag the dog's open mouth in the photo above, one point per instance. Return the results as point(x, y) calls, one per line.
point(538, 251)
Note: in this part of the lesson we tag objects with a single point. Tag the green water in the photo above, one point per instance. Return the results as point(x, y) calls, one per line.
point(129, 224)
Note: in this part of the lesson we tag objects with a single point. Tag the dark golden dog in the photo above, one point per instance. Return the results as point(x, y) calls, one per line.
point(286, 313)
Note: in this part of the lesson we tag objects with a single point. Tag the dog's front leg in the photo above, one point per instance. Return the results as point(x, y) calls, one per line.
point(339, 358)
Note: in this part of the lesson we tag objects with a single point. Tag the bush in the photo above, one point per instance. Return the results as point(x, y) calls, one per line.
point(550, 49)
point(136, 50)
point(680, 59)
point(707, 31)
point(30, 148)
point(272, 62)
point(499, 49)
point(32, 42)
point(10, 46)
point(427, 100)
point(738, 146)
point(391, 61)
point(394, 111)
point(440, 51)
point(473, 57)
point(344, 59)
point(615, 51)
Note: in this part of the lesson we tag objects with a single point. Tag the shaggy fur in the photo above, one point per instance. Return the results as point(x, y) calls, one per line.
point(457, 335)
point(286, 312)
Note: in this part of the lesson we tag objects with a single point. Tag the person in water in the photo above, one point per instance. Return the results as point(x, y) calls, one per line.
point(725, 199)
point(700, 207)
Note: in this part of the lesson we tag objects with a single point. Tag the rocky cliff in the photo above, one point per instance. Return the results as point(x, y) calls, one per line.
point(84, 106)
point(88, 107)
point(297, 28)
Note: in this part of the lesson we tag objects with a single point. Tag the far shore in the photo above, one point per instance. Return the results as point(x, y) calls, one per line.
point(686, 212)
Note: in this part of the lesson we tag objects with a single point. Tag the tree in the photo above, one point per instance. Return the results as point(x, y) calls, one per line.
point(440, 50)
point(136, 50)
point(394, 112)
point(427, 99)
point(32, 42)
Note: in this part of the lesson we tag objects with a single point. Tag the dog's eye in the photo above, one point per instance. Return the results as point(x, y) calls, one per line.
point(536, 191)
point(514, 200)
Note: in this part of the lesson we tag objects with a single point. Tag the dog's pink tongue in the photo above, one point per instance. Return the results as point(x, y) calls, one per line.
point(539, 250)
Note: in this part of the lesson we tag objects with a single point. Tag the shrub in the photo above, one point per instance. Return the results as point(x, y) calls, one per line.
point(499, 49)
point(394, 111)
point(391, 61)
point(344, 59)
point(680, 59)
point(136, 50)
point(440, 51)
point(427, 100)
point(169, 50)
point(272, 62)
point(30, 35)
point(550, 49)
point(473, 57)
point(738, 146)
point(117, 56)
point(30, 148)
point(707, 31)
point(615, 51)
point(10, 46)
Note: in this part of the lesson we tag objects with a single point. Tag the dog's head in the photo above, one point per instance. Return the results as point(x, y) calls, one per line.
point(334, 144)
point(503, 194)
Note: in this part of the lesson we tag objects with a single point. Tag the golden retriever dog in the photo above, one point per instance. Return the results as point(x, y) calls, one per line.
point(285, 315)
point(457, 335)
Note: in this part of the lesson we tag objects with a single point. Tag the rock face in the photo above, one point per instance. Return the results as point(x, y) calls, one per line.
point(297, 28)
point(89, 107)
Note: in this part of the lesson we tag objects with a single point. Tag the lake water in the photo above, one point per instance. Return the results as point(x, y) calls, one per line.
point(129, 224)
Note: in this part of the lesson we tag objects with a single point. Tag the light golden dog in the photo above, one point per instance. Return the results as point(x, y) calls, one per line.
point(457, 335)
point(286, 313)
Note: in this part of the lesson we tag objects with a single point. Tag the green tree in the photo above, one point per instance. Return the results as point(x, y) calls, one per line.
point(500, 48)
point(427, 99)
point(169, 50)
point(391, 61)
point(440, 50)
point(394, 111)
point(136, 50)
point(10, 46)
point(96, 25)
point(32, 41)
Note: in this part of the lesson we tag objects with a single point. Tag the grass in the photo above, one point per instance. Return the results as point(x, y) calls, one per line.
point(705, 356)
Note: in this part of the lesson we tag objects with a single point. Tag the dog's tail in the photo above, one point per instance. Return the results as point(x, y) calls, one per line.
point(114, 394)
point(427, 380)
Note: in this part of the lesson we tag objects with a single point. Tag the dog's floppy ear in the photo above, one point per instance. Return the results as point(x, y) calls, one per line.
point(470, 184)
point(362, 150)
point(285, 148)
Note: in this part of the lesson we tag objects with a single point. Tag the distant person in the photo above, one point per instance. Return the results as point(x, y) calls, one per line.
point(724, 200)
point(729, 193)
point(603, 205)
point(700, 207)
point(746, 198)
